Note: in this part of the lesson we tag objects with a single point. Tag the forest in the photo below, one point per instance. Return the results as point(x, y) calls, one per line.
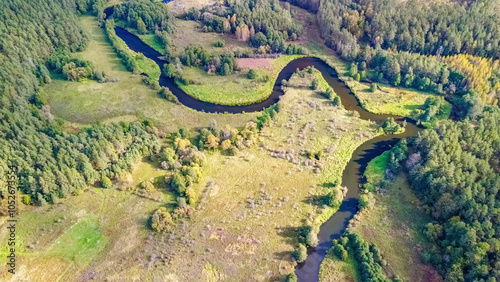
point(54, 164)
point(425, 50)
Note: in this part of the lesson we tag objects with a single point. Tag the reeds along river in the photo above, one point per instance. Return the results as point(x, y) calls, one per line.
point(335, 226)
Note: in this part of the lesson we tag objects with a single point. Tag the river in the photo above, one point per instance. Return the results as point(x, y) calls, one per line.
point(335, 226)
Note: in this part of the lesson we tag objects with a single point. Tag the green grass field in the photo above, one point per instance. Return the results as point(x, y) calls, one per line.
point(334, 270)
point(81, 242)
point(86, 102)
point(375, 170)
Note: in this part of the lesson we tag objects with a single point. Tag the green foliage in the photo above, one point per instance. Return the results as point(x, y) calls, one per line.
point(219, 43)
point(373, 87)
point(133, 61)
point(141, 26)
point(106, 182)
point(161, 220)
point(454, 170)
point(168, 95)
point(300, 253)
point(366, 200)
point(368, 257)
point(145, 15)
point(251, 74)
point(292, 277)
point(391, 127)
point(26, 199)
point(315, 84)
point(353, 70)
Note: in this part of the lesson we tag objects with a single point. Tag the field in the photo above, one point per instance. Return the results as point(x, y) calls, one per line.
point(59, 242)
point(86, 102)
point(180, 7)
point(261, 200)
point(236, 88)
point(395, 225)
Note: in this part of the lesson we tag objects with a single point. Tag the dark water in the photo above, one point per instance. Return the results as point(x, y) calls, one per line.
point(335, 226)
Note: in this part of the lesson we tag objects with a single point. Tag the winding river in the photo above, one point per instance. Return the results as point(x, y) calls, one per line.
point(334, 227)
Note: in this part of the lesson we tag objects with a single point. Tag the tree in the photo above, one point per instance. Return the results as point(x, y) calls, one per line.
point(292, 277)
point(300, 253)
point(353, 70)
point(141, 26)
point(357, 77)
point(259, 40)
point(226, 144)
point(212, 142)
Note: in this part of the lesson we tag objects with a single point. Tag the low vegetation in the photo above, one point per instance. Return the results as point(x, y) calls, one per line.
point(237, 88)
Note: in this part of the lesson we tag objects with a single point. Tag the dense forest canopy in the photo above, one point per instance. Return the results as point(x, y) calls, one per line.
point(151, 15)
point(53, 163)
point(455, 170)
point(420, 35)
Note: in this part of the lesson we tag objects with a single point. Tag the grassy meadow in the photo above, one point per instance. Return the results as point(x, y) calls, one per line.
point(127, 99)
point(234, 89)
point(103, 233)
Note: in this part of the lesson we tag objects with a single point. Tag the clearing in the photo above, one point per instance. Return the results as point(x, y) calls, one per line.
point(234, 89)
point(127, 99)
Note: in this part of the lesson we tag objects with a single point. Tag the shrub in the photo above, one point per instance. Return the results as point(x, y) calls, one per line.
point(26, 200)
point(168, 95)
point(106, 182)
point(219, 43)
point(292, 277)
point(314, 84)
point(226, 144)
point(329, 93)
point(300, 253)
point(161, 220)
point(390, 126)
point(336, 101)
point(373, 87)
point(366, 201)
point(233, 151)
point(192, 196)
point(251, 74)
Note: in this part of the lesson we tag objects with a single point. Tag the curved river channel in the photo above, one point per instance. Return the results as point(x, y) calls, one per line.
point(335, 226)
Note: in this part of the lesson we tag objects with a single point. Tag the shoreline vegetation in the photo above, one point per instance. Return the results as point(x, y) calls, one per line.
point(184, 194)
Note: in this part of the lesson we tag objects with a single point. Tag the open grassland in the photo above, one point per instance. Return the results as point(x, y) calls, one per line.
point(334, 270)
point(257, 201)
point(69, 240)
point(190, 33)
point(394, 225)
point(181, 7)
point(234, 89)
point(127, 99)
point(375, 170)
point(391, 100)
point(252, 207)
